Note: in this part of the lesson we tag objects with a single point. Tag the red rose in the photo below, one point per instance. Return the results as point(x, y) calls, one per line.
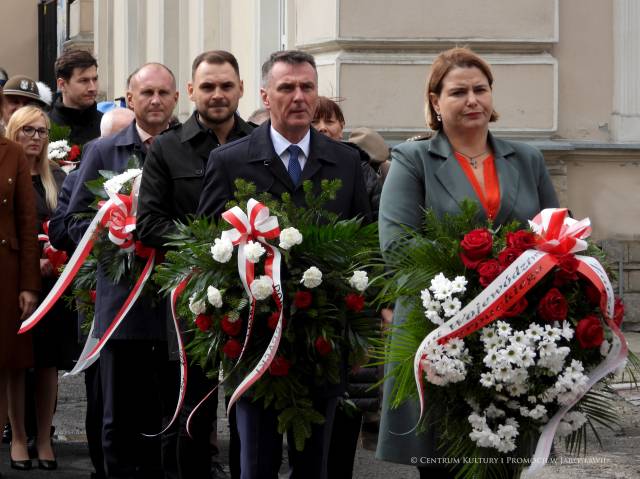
point(92, 295)
point(303, 299)
point(521, 240)
point(57, 258)
point(618, 312)
point(74, 152)
point(272, 321)
point(279, 366)
point(203, 322)
point(476, 246)
point(553, 306)
point(488, 271)
point(589, 332)
point(592, 294)
point(517, 309)
point(566, 272)
point(323, 346)
point(355, 302)
point(508, 256)
point(232, 349)
point(232, 328)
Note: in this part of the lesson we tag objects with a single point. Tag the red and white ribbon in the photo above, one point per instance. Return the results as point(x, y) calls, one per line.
point(557, 235)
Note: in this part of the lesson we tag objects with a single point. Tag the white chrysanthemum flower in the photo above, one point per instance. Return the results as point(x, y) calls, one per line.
point(289, 237)
point(527, 358)
point(503, 328)
point(58, 150)
point(359, 280)
point(451, 306)
point(551, 333)
point(520, 338)
point(567, 330)
point(487, 380)
point(312, 277)
point(214, 296)
point(538, 412)
point(493, 412)
point(425, 296)
point(440, 287)
point(454, 348)
point(458, 285)
point(493, 358)
point(503, 373)
point(253, 251)
point(535, 331)
point(222, 250)
point(262, 287)
point(197, 306)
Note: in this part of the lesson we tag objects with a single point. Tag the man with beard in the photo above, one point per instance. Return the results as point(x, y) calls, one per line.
point(170, 191)
point(77, 81)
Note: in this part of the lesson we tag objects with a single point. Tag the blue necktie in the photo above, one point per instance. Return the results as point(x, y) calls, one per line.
point(295, 171)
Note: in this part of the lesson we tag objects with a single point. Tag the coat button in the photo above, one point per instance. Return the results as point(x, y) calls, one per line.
point(10, 180)
point(4, 201)
point(198, 172)
point(3, 242)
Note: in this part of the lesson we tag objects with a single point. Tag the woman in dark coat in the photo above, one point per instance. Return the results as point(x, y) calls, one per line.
point(29, 126)
point(19, 255)
point(463, 160)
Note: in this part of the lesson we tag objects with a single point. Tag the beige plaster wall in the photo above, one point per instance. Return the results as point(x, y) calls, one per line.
point(585, 59)
point(242, 45)
point(315, 20)
point(19, 37)
point(607, 191)
point(450, 19)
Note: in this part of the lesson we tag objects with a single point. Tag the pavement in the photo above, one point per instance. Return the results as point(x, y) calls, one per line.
point(618, 457)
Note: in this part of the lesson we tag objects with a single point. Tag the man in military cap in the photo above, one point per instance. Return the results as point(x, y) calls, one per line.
point(19, 91)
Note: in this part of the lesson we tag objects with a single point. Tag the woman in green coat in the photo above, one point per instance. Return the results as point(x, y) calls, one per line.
point(463, 160)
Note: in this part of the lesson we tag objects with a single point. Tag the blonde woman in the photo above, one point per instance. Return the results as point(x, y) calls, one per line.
point(29, 127)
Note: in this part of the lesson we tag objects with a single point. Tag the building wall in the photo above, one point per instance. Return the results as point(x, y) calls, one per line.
point(19, 37)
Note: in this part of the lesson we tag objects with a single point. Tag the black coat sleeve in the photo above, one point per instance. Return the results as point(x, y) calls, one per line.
point(154, 219)
point(58, 236)
point(217, 188)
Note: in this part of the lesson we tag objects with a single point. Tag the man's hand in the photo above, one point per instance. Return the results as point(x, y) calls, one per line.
point(27, 301)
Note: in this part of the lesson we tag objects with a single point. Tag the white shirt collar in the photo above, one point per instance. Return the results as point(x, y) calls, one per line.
point(280, 143)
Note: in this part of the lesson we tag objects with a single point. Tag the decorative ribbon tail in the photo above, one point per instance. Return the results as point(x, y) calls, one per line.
point(83, 362)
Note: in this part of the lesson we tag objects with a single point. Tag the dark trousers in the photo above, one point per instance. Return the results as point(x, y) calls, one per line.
point(261, 444)
point(130, 374)
point(184, 456)
point(344, 442)
point(93, 418)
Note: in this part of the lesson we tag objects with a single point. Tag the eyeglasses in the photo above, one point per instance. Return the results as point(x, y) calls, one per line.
point(31, 131)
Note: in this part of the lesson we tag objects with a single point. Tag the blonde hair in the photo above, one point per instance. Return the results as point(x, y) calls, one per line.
point(23, 116)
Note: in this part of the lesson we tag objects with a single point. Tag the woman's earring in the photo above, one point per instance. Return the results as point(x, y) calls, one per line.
point(438, 117)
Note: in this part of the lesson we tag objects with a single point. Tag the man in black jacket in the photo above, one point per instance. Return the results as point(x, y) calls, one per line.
point(277, 157)
point(170, 190)
point(77, 81)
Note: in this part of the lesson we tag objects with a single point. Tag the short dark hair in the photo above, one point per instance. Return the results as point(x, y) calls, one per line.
point(215, 57)
point(458, 57)
point(292, 57)
point(137, 70)
point(72, 59)
point(326, 108)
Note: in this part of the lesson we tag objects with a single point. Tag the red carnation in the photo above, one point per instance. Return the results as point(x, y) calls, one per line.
point(508, 256)
point(618, 312)
point(57, 259)
point(92, 295)
point(232, 349)
point(488, 271)
point(203, 322)
point(589, 332)
point(517, 309)
point(232, 328)
point(272, 321)
point(355, 302)
point(553, 306)
point(279, 366)
point(323, 346)
point(521, 240)
point(476, 246)
point(303, 299)
point(74, 153)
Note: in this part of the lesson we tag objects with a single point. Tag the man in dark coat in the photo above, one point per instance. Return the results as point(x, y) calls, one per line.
point(277, 157)
point(77, 81)
point(170, 190)
point(132, 361)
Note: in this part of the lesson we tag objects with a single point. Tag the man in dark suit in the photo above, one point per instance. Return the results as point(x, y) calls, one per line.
point(131, 362)
point(277, 157)
point(170, 190)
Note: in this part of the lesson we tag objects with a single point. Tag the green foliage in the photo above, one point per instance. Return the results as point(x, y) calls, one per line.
point(58, 132)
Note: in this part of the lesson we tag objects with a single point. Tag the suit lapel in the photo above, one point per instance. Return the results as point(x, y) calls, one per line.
point(508, 178)
point(261, 151)
point(450, 174)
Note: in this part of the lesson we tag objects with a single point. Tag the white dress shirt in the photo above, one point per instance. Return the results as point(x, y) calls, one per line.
point(280, 144)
